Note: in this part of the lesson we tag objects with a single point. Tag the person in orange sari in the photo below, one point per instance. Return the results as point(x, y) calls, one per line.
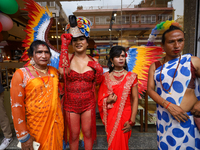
point(35, 102)
point(118, 100)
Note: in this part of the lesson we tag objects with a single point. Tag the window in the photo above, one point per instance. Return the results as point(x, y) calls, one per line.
point(135, 19)
point(107, 19)
point(42, 3)
point(91, 19)
point(143, 18)
point(164, 17)
point(125, 19)
point(102, 20)
point(153, 19)
point(148, 19)
point(97, 20)
point(52, 4)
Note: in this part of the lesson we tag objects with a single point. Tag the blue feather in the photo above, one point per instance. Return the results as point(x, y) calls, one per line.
point(45, 17)
point(132, 58)
point(54, 62)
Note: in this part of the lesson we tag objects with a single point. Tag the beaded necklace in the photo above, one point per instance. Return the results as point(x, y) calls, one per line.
point(167, 90)
point(45, 85)
point(118, 74)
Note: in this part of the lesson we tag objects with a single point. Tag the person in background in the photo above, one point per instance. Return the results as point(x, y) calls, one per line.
point(35, 102)
point(175, 79)
point(118, 100)
point(81, 73)
point(4, 122)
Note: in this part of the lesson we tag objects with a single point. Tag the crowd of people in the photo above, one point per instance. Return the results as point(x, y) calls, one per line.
point(39, 115)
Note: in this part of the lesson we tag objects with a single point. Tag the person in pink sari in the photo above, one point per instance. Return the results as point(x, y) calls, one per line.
point(118, 100)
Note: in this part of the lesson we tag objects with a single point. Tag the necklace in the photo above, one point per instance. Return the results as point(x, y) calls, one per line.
point(118, 74)
point(45, 85)
point(167, 90)
point(118, 70)
point(43, 71)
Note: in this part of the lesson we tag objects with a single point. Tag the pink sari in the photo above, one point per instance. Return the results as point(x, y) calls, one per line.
point(115, 115)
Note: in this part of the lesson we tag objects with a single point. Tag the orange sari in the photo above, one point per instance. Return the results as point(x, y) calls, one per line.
point(37, 110)
point(115, 115)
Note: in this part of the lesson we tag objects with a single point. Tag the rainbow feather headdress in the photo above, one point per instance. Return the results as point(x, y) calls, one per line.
point(81, 27)
point(159, 27)
point(38, 26)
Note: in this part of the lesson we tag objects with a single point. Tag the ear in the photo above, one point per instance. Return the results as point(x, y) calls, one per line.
point(162, 46)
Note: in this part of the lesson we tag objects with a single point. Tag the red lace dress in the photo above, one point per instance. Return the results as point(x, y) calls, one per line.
point(80, 92)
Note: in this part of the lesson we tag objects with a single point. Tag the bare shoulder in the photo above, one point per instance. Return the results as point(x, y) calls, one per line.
point(195, 61)
point(152, 67)
point(194, 58)
point(95, 59)
point(70, 55)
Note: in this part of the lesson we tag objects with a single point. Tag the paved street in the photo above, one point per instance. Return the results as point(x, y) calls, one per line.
point(138, 140)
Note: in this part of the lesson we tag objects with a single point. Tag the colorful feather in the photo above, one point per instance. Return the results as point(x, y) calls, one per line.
point(37, 29)
point(139, 59)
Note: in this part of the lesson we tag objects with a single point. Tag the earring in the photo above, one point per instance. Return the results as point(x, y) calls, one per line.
point(32, 62)
point(112, 65)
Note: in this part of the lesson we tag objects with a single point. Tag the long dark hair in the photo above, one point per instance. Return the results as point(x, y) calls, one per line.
point(34, 46)
point(116, 52)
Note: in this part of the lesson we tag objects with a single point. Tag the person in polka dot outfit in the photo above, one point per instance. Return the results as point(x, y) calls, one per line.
point(177, 94)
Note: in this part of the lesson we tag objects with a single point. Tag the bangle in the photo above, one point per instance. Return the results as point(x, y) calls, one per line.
point(168, 105)
point(26, 138)
point(131, 122)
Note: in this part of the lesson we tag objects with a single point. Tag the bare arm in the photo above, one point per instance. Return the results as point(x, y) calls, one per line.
point(134, 98)
point(134, 108)
point(176, 111)
point(196, 63)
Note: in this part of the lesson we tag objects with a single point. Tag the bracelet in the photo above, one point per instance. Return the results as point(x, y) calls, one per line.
point(131, 122)
point(25, 139)
point(168, 105)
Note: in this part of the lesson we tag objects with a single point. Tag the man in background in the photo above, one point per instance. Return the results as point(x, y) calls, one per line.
point(4, 122)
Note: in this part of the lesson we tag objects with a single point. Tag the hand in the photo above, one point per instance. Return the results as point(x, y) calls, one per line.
point(28, 145)
point(178, 113)
point(66, 40)
point(61, 71)
point(127, 127)
point(112, 98)
point(98, 69)
point(196, 109)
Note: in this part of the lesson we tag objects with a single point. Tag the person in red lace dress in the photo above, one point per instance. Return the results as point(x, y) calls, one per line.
point(81, 73)
point(118, 100)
